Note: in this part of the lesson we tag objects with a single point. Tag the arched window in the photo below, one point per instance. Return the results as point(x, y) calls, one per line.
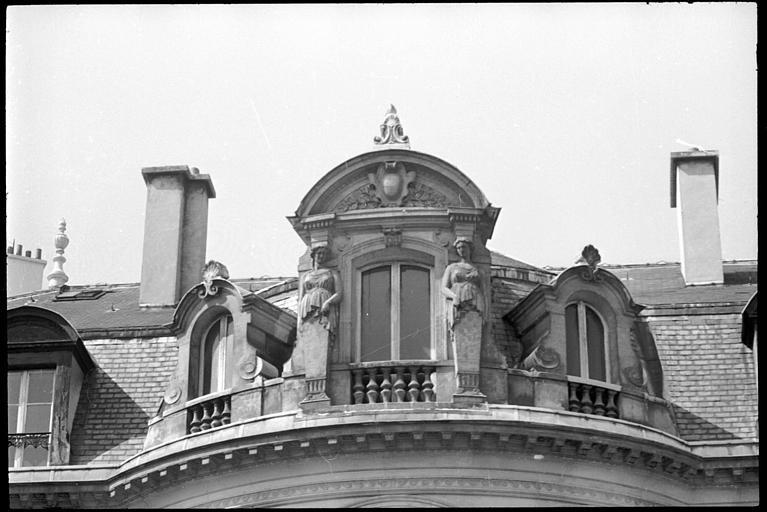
point(395, 313)
point(215, 345)
point(585, 339)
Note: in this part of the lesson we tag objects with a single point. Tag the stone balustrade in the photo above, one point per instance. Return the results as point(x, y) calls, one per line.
point(208, 414)
point(592, 398)
point(393, 383)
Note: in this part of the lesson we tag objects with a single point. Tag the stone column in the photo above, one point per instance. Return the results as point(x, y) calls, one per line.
point(315, 341)
point(467, 341)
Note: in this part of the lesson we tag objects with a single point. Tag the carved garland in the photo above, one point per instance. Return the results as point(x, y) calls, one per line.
point(392, 185)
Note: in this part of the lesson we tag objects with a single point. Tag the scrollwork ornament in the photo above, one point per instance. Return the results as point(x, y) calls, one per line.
point(391, 129)
point(212, 270)
point(172, 392)
point(248, 367)
point(542, 359)
point(590, 256)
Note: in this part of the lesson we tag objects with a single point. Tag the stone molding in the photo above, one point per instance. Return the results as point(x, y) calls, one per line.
point(440, 427)
point(426, 485)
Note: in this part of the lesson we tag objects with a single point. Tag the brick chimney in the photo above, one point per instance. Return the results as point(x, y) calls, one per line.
point(175, 232)
point(695, 195)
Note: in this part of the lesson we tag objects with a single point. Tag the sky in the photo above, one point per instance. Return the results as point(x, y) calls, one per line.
point(564, 115)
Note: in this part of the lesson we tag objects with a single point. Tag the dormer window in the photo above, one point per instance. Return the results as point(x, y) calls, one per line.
point(47, 364)
point(585, 342)
point(395, 313)
point(216, 343)
point(30, 403)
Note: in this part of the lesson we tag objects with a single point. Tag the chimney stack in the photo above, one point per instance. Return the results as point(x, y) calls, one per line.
point(695, 195)
point(175, 232)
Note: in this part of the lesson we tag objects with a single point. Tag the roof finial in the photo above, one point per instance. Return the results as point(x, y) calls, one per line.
point(58, 277)
point(391, 131)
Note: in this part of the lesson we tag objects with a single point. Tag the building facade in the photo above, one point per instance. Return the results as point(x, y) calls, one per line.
point(405, 365)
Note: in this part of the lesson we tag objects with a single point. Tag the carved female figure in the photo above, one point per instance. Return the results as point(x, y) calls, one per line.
point(321, 293)
point(461, 283)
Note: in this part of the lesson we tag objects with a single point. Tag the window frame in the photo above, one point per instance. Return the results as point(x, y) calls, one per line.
point(583, 342)
point(225, 324)
point(395, 301)
point(23, 403)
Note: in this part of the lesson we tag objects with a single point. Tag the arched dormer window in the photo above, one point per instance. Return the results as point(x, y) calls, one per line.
point(216, 344)
point(395, 312)
point(586, 342)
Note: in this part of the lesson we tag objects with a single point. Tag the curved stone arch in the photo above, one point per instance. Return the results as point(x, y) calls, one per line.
point(191, 304)
point(349, 175)
point(604, 280)
point(33, 323)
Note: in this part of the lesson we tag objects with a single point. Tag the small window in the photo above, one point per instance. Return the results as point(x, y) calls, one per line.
point(216, 344)
point(585, 338)
point(30, 402)
point(395, 319)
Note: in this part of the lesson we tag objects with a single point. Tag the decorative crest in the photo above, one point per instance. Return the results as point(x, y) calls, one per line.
point(391, 130)
point(58, 277)
point(391, 182)
point(590, 256)
point(213, 270)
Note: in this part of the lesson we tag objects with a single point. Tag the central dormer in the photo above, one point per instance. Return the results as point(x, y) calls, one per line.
point(380, 231)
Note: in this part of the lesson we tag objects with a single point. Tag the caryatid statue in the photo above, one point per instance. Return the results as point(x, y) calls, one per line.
point(462, 284)
point(321, 293)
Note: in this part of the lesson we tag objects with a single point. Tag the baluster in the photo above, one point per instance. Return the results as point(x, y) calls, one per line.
point(226, 416)
point(215, 418)
point(612, 409)
point(586, 403)
point(358, 388)
point(372, 386)
point(414, 389)
point(386, 387)
point(399, 386)
point(599, 405)
point(194, 426)
point(428, 385)
point(205, 416)
point(575, 404)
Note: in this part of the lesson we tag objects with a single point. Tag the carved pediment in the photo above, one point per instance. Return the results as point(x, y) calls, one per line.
point(392, 185)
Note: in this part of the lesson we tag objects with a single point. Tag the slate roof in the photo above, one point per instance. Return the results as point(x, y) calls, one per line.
point(664, 284)
point(118, 308)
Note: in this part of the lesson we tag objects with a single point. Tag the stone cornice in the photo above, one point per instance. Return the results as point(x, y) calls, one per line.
point(390, 427)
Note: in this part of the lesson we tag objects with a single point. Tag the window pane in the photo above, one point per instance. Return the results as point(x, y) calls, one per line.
point(11, 455)
point(572, 340)
point(14, 383)
point(13, 414)
point(214, 355)
point(38, 418)
point(415, 317)
point(40, 386)
point(596, 345)
point(376, 315)
point(35, 456)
